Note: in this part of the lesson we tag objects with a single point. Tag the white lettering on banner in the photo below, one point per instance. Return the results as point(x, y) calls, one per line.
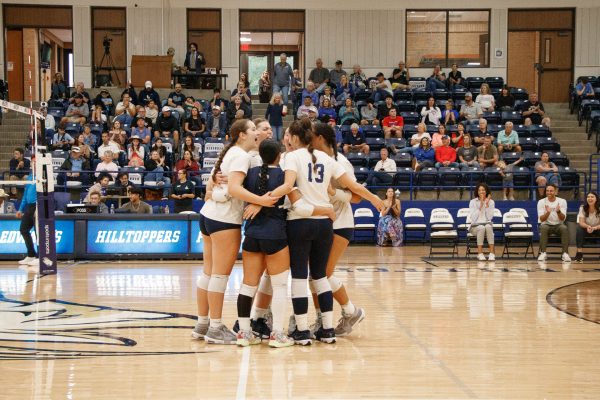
point(14, 237)
point(160, 236)
point(199, 238)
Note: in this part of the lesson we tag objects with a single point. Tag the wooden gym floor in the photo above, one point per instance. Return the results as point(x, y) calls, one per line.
point(434, 329)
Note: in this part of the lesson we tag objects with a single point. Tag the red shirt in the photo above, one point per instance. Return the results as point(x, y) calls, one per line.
point(445, 153)
point(390, 122)
point(460, 142)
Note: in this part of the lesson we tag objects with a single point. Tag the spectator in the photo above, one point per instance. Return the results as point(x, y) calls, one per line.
point(533, 111)
point(335, 75)
point(244, 79)
point(505, 101)
point(449, 114)
point(431, 114)
point(188, 144)
point(75, 168)
point(215, 101)
point(400, 77)
point(96, 200)
point(176, 99)
point(369, 114)
point(349, 113)
point(107, 165)
point(77, 112)
point(86, 152)
point(487, 153)
point(6, 207)
point(136, 205)
point(389, 227)
point(194, 62)
point(584, 90)
point(357, 78)
point(183, 192)
point(313, 115)
point(274, 114)
point(117, 134)
point(156, 172)
point(19, 169)
point(445, 156)
point(167, 125)
point(355, 141)
point(105, 100)
point(384, 109)
point(304, 109)
point(384, 170)
point(58, 88)
point(546, 173)
point(147, 95)
point(188, 164)
point(436, 138)
point(130, 90)
point(311, 92)
point(108, 144)
point(62, 140)
point(283, 76)
point(102, 182)
point(244, 93)
point(467, 154)
point(194, 125)
point(423, 155)
point(458, 136)
point(136, 153)
point(470, 111)
point(383, 88)
point(319, 76)
point(327, 109)
point(216, 123)
point(327, 94)
point(152, 110)
point(392, 125)
point(508, 140)
point(264, 87)
point(79, 90)
point(344, 90)
point(141, 114)
point(49, 123)
point(507, 173)
point(437, 80)
point(124, 183)
point(125, 110)
point(88, 137)
point(296, 88)
point(415, 140)
point(588, 222)
point(234, 107)
point(481, 214)
point(481, 133)
point(552, 213)
point(98, 116)
point(485, 99)
point(455, 79)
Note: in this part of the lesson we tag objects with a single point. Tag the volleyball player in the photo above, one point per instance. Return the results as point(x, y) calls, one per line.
point(310, 238)
point(220, 224)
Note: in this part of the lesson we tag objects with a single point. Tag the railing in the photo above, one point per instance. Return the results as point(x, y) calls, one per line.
point(594, 184)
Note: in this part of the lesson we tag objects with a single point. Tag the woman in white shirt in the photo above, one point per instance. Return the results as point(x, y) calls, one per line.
point(310, 238)
point(220, 224)
point(485, 99)
point(588, 222)
point(431, 113)
point(481, 213)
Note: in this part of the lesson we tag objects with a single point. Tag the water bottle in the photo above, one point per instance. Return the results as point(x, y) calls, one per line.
point(167, 209)
point(112, 208)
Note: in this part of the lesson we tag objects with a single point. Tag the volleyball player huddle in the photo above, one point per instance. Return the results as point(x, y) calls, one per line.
point(312, 228)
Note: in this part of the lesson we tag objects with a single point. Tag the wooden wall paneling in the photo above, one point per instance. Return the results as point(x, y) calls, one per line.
point(38, 16)
point(554, 86)
point(521, 57)
point(209, 43)
point(117, 51)
point(14, 58)
point(109, 18)
point(263, 20)
point(540, 19)
point(204, 19)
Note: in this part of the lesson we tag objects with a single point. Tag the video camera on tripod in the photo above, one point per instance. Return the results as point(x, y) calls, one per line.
point(106, 64)
point(106, 43)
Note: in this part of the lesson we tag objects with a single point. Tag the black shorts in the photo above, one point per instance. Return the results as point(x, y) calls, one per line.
point(209, 226)
point(346, 233)
point(267, 246)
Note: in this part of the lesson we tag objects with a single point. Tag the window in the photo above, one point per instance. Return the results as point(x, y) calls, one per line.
point(446, 37)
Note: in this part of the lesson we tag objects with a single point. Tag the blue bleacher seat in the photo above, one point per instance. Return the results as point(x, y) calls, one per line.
point(419, 104)
point(495, 82)
point(450, 178)
point(73, 128)
point(521, 176)
point(510, 157)
point(558, 158)
point(403, 176)
point(474, 82)
point(519, 94)
point(569, 177)
point(408, 131)
point(459, 94)
point(493, 177)
point(492, 117)
point(539, 131)
point(513, 116)
point(361, 174)
point(358, 159)
point(372, 131)
point(402, 94)
point(548, 143)
point(522, 131)
point(472, 175)
point(427, 178)
point(398, 143)
point(374, 157)
point(528, 144)
point(531, 157)
point(493, 129)
point(442, 94)
point(375, 144)
point(56, 112)
point(420, 95)
point(410, 117)
point(403, 160)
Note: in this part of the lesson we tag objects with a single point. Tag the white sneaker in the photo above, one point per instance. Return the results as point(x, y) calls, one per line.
point(34, 263)
point(543, 256)
point(26, 260)
point(481, 257)
point(492, 257)
point(505, 198)
point(566, 258)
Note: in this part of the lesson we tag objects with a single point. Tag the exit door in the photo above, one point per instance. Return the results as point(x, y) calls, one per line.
point(556, 60)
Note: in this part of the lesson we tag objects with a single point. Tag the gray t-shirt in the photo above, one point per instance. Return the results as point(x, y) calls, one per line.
point(469, 154)
point(282, 74)
point(318, 76)
point(335, 76)
point(471, 112)
point(143, 208)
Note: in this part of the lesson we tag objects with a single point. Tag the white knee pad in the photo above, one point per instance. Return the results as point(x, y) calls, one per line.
point(202, 281)
point(249, 291)
point(218, 283)
point(322, 285)
point(265, 285)
point(335, 283)
point(280, 279)
point(299, 288)
point(311, 286)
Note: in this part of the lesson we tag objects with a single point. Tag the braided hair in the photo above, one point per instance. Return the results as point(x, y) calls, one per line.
point(237, 127)
point(328, 134)
point(303, 129)
point(269, 150)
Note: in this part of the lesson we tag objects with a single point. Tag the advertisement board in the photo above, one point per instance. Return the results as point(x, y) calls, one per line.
point(11, 241)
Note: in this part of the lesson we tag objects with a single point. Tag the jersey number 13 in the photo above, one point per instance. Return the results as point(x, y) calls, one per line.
point(318, 171)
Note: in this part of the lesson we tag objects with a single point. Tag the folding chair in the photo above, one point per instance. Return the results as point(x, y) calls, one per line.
point(515, 236)
point(364, 222)
point(414, 221)
point(443, 234)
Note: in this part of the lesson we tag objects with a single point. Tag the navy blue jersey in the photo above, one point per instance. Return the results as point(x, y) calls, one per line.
point(270, 221)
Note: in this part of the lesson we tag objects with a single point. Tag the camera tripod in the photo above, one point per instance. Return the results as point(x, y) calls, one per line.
point(110, 66)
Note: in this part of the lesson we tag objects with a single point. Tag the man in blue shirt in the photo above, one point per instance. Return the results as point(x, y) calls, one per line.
point(27, 215)
point(282, 74)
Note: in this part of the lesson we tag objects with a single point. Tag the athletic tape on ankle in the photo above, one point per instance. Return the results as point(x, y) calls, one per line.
point(249, 291)
point(202, 281)
point(335, 283)
point(311, 286)
point(280, 279)
point(265, 285)
point(218, 283)
point(299, 288)
point(322, 285)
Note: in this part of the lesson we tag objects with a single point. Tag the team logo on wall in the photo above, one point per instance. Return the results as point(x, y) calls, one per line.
point(55, 329)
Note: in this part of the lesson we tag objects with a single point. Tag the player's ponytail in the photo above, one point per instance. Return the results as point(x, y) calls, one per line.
point(328, 134)
point(238, 127)
point(269, 150)
point(303, 129)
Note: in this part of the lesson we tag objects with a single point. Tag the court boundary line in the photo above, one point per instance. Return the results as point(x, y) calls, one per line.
point(243, 378)
point(555, 306)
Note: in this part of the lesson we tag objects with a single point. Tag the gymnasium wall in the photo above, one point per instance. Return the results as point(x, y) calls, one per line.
point(377, 35)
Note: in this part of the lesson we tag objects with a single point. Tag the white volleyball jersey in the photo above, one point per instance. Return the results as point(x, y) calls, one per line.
point(232, 210)
point(256, 160)
point(312, 179)
point(343, 210)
